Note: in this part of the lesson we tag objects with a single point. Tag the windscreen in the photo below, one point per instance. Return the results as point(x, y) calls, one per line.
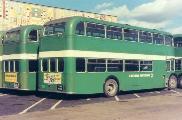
point(57, 28)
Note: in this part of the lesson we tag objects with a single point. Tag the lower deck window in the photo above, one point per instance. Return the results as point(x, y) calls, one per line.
point(177, 64)
point(6, 66)
point(80, 65)
point(114, 65)
point(168, 65)
point(17, 66)
point(33, 64)
point(11, 66)
point(145, 65)
point(60, 65)
point(52, 65)
point(131, 65)
point(96, 65)
point(44, 65)
point(172, 65)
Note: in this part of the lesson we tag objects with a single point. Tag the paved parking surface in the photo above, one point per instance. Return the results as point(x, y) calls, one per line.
point(13, 102)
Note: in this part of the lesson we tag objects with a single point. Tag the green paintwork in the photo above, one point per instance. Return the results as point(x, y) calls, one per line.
point(89, 83)
point(1, 52)
point(25, 79)
point(178, 53)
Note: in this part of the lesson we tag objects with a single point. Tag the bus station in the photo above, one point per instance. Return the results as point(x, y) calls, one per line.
point(56, 60)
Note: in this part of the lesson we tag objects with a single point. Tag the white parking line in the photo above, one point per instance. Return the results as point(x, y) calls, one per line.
point(137, 95)
point(175, 91)
point(88, 99)
point(157, 92)
point(117, 98)
point(26, 110)
point(2, 95)
point(55, 105)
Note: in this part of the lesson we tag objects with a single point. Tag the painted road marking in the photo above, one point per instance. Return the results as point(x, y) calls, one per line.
point(175, 91)
point(117, 98)
point(137, 95)
point(88, 99)
point(55, 105)
point(26, 110)
point(157, 92)
point(2, 95)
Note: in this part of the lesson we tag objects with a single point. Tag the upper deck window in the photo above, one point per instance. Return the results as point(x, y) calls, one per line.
point(178, 42)
point(158, 39)
point(145, 37)
point(130, 35)
point(12, 36)
point(114, 33)
point(95, 30)
point(52, 29)
point(80, 28)
point(33, 36)
point(168, 40)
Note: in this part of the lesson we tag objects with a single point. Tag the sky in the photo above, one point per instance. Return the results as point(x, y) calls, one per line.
point(164, 15)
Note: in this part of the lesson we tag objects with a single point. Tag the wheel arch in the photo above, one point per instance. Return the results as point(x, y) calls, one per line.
point(173, 74)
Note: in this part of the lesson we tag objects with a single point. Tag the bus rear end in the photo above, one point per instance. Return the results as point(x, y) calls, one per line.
point(51, 64)
point(20, 58)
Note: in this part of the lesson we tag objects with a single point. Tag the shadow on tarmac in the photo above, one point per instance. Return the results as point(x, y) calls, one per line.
point(68, 97)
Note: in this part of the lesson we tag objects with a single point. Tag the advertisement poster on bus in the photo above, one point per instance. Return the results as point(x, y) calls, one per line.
point(11, 77)
point(52, 78)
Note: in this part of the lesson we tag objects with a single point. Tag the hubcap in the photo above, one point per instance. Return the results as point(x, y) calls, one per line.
point(111, 87)
point(173, 83)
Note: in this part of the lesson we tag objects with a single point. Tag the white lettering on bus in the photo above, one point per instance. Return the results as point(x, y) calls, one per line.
point(141, 75)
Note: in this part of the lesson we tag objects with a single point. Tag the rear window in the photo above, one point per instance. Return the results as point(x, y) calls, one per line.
point(12, 36)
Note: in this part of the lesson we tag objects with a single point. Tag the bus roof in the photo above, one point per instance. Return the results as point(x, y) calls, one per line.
point(58, 21)
point(22, 27)
point(78, 18)
point(178, 35)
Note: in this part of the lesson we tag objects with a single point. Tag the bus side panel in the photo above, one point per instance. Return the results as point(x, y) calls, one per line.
point(1, 77)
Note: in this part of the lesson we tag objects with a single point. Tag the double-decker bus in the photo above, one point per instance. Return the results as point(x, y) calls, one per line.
point(20, 49)
point(1, 50)
point(80, 55)
point(178, 61)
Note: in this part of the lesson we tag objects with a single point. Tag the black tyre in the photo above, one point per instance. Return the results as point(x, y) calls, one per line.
point(111, 88)
point(172, 82)
point(180, 82)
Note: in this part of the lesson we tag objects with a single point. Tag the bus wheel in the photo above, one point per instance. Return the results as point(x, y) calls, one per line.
point(180, 82)
point(172, 82)
point(110, 88)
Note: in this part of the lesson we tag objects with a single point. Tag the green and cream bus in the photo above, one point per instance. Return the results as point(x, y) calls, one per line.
point(1, 52)
point(20, 53)
point(80, 55)
point(178, 55)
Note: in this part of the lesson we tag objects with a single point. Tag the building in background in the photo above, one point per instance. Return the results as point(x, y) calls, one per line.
point(14, 13)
